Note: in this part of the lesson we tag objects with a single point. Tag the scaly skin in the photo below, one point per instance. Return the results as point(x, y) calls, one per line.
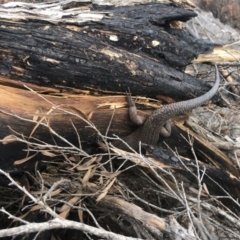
point(149, 132)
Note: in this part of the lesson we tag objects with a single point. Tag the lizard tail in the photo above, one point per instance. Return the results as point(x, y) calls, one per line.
point(161, 115)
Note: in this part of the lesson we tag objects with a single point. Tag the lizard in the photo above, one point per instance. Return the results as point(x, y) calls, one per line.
point(159, 122)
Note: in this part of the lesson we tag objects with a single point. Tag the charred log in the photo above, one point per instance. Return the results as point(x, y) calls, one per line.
point(131, 47)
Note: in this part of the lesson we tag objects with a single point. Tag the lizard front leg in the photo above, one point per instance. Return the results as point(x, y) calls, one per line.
point(132, 110)
point(139, 120)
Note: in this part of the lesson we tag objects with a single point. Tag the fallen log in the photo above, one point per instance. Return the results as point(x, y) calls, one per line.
point(94, 49)
point(106, 49)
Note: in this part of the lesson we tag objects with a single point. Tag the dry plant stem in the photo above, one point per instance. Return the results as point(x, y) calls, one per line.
point(223, 228)
point(140, 231)
point(124, 170)
point(198, 222)
point(150, 163)
point(149, 204)
point(126, 144)
point(199, 177)
point(201, 229)
point(89, 123)
point(163, 190)
point(94, 219)
point(88, 236)
point(42, 145)
point(236, 202)
point(52, 131)
point(47, 125)
point(237, 159)
point(226, 209)
point(57, 222)
point(206, 32)
point(62, 224)
point(229, 64)
point(104, 138)
point(152, 222)
point(105, 142)
point(224, 89)
point(37, 235)
point(101, 165)
point(234, 220)
point(78, 136)
point(42, 183)
point(10, 216)
point(35, 200)
point(180, 160)
point(53, 187)
point(216, 211)
point(189, 212)
point(110, 122)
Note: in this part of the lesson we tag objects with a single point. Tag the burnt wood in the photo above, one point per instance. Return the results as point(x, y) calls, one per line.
point(131, 47)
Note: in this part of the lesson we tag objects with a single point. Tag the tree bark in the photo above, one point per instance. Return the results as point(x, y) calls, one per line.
point(129, 47)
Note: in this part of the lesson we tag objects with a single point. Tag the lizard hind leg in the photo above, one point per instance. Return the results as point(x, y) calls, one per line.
point(166, 129)
point(132, 110)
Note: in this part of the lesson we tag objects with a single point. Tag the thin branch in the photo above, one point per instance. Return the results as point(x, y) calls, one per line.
point(62, 224)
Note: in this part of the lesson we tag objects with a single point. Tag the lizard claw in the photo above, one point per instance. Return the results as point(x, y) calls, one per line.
point(131, 103)
point(135, 118)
